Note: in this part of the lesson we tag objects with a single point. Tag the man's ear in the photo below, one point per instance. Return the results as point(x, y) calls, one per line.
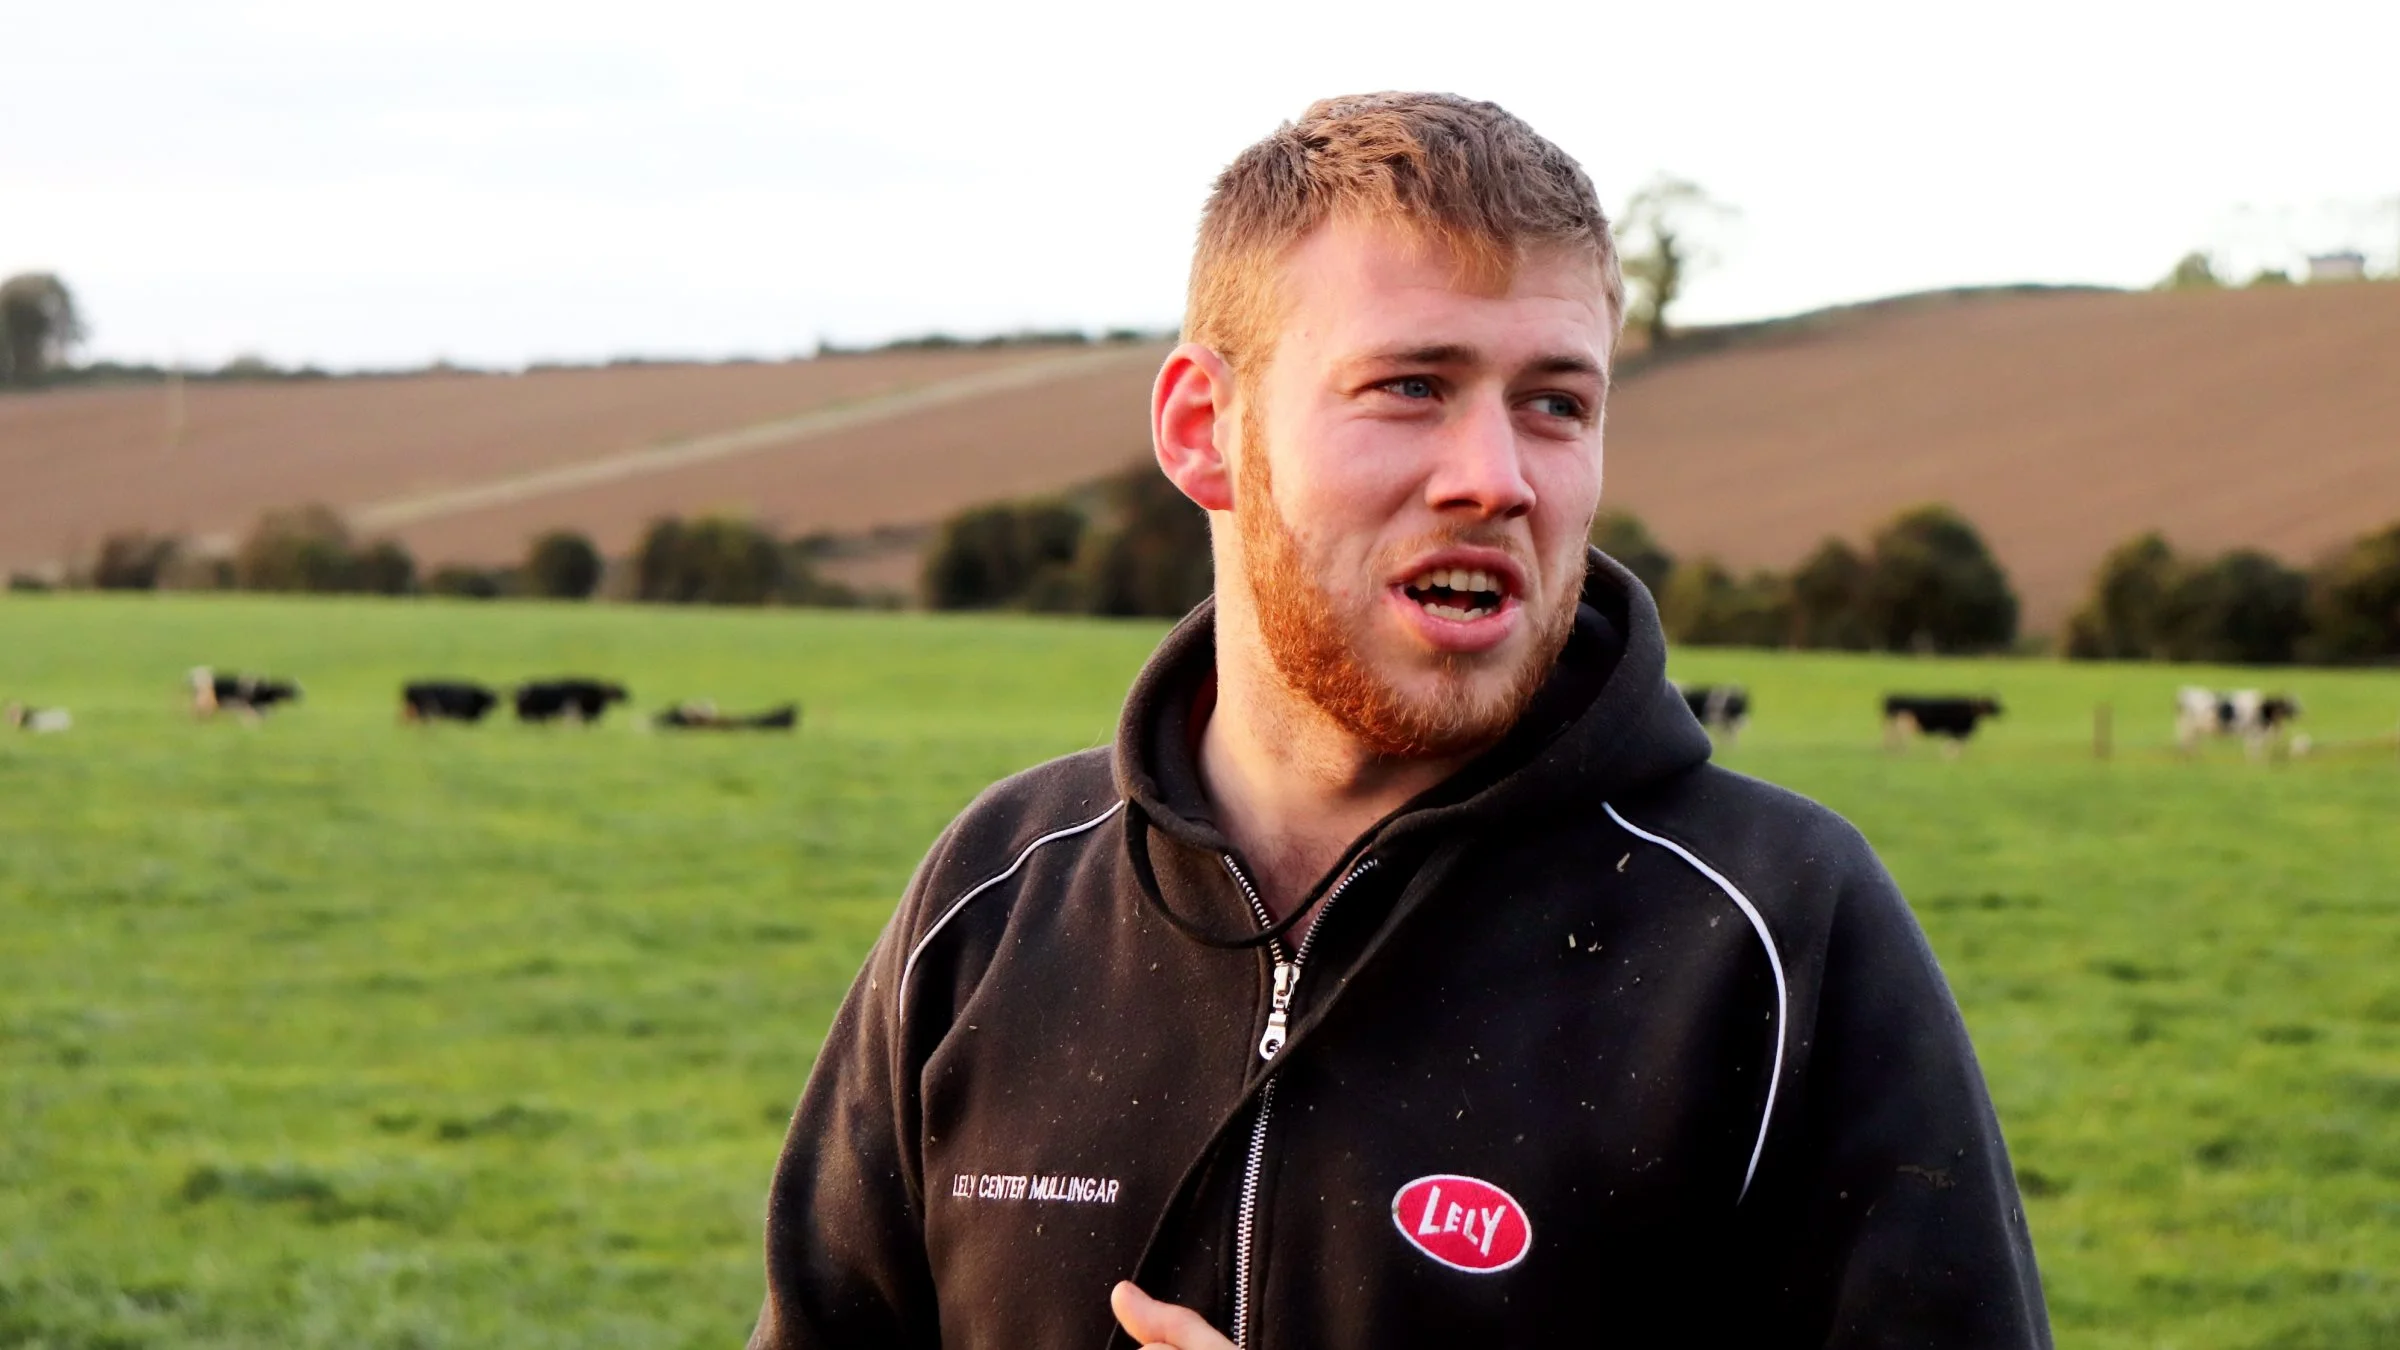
point(1191, 425)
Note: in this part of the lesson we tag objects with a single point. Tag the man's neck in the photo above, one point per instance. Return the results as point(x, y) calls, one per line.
point(1292, 789)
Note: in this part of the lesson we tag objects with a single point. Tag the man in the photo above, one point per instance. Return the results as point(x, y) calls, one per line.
point(1405, 975)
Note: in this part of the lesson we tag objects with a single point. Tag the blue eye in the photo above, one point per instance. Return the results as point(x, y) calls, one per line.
point(1559, 405)
point(1412, 386)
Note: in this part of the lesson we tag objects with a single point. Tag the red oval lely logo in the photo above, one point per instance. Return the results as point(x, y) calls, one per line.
point(1463, 1223)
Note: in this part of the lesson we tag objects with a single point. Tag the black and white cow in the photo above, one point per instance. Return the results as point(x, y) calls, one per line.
point(1722, 708)
point(702, 715)
point(252, 696)
point(18, 717)
point(445, 701)
point(1950, 717)
point(574, 699)
point(2263, 721)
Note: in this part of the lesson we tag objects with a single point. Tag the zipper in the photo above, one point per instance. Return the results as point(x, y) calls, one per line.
point(1279, 1009)
point(1246, 1218)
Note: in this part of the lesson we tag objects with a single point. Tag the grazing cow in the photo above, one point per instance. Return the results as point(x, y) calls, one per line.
point(252, 696)
point(18, 717)
point(1723, 708)
point(1949, 717)
point(574, 699)
point(2263, 721)
point(702, 715)
point(445, 700)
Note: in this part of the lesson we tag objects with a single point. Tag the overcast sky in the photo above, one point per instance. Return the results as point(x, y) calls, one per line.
point(358, 183)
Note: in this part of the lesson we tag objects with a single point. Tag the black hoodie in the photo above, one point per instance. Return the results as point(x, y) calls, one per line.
point(1596, 1041)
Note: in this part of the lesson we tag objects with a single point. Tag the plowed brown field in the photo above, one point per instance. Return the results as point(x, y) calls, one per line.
point(915, 462)
point(79, 463)
point(2060, 423)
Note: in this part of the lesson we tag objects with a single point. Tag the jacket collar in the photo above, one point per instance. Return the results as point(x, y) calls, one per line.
point(1606, 724)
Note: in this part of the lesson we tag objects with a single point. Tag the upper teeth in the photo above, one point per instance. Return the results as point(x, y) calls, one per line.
point(1458, 579)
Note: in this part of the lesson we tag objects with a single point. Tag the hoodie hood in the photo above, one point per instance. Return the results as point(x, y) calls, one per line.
point(1606, 725)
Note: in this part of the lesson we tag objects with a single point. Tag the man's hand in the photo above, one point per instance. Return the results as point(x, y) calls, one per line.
point(1162, 1326)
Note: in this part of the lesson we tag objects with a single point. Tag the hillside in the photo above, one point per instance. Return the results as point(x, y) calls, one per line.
point(467, 466)
point(2061, 422)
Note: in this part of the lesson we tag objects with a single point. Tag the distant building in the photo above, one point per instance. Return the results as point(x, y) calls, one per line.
point(2347, 266)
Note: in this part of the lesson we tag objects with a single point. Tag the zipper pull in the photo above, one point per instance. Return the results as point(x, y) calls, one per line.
point(1287, 974)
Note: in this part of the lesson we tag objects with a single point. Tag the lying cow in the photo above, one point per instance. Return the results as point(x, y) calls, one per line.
point(445, 701)
point(18, 717)
point(2263, 721)
point(252, 696)
point(1951, 718)
point(702, 715)
point(1722, 708)
point(574, 700)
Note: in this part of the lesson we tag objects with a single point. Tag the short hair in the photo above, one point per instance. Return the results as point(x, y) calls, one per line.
point(1470, 176)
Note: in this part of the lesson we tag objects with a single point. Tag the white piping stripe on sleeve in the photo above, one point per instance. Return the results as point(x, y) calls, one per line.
point(1774, 961)
point(909, 967)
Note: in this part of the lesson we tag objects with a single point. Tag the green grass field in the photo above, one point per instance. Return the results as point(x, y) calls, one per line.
point(336, 1033)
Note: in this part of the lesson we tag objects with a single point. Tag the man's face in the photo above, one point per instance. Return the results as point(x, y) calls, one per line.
point(1418, 468)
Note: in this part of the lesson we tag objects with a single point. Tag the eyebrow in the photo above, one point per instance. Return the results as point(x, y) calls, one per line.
point(1459, 353)
point(1438, 354)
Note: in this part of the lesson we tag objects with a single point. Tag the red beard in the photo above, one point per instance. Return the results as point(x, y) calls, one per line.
point(1312, 649)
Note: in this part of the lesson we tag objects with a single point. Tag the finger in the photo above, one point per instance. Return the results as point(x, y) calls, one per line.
point(1154, 1323)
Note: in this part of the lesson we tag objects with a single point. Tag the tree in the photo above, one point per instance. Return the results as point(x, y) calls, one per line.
point(2126, 616)
point(134, 560)
point(1622, 536)
point(1932, 585)
point(2194, 271)
point(309, 548)
point(38, 326)
point(989, 556)
point(1828, 592)
point(562, 565)
point(467, 582)
point(1707, 606)
point(2243, 607)
point(714, 560)
point(2354, 601)
point(1154, 559)
point(384, 567)
point(658, 566)
point(1662, 242)
point(2148, 604)
point(300, 548)
point(975, 564)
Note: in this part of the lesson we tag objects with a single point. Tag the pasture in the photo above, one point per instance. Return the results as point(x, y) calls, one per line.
point(333, 1032)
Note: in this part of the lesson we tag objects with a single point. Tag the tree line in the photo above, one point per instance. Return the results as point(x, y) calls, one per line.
point(41, 325)
point(2149, 603)
point(1924, 581)
point(311, 550)
point(1128, 545)
point(1132, 545)
point(1927, 582)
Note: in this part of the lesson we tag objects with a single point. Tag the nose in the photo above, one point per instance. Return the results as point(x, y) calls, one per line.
point(1479, 467)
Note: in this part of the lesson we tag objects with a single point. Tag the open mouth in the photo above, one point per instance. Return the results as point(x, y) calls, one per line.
point(1459, 594)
